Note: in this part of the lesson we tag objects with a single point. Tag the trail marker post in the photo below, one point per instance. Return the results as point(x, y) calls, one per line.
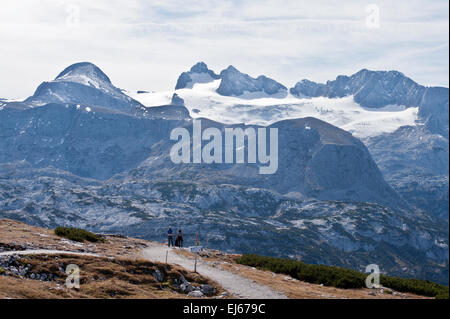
point(196, 252)
point(195, 264)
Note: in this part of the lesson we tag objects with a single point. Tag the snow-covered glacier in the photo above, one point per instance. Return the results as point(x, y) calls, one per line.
point(202, 100)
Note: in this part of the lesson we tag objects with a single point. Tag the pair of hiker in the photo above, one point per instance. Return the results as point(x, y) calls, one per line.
point(178, 238)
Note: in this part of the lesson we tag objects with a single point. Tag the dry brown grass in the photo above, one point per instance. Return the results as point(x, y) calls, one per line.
point(119, 274)
point(14, 234)
point(99, 278)
point(16, 288)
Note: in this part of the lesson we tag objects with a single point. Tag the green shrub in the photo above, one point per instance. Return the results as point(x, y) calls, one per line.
point(341, 277)
point(416, 286)
point(2, 271)
point(443, 295)
point(77, 234)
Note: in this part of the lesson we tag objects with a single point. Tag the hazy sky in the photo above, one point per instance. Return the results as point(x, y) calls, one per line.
point(147, 44)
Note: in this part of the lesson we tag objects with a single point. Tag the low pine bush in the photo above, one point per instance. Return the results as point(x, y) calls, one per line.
point(77, 234)
point(416, 286)
point(340, 277)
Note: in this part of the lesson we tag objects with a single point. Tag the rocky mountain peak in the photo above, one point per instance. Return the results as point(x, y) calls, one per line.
point(200, 67)
point(83, 83)
point(84, 71)
point(230, 69)
point(199, 73)
point(236, 83)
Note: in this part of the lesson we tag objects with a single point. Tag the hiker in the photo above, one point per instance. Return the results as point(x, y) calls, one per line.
point(170, 237)
point(179, 239)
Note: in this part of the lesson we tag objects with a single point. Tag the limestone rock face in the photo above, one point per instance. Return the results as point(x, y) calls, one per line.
point(376, 89)
point(235, 83)
point(232, 82)
point(414, 162)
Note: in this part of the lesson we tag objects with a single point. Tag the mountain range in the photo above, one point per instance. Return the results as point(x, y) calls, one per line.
point(82, 152)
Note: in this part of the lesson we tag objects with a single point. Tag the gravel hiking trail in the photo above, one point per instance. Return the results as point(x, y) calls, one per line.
point(237, 285)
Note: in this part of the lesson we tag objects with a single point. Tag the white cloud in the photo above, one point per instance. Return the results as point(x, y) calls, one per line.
point(147, 44)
